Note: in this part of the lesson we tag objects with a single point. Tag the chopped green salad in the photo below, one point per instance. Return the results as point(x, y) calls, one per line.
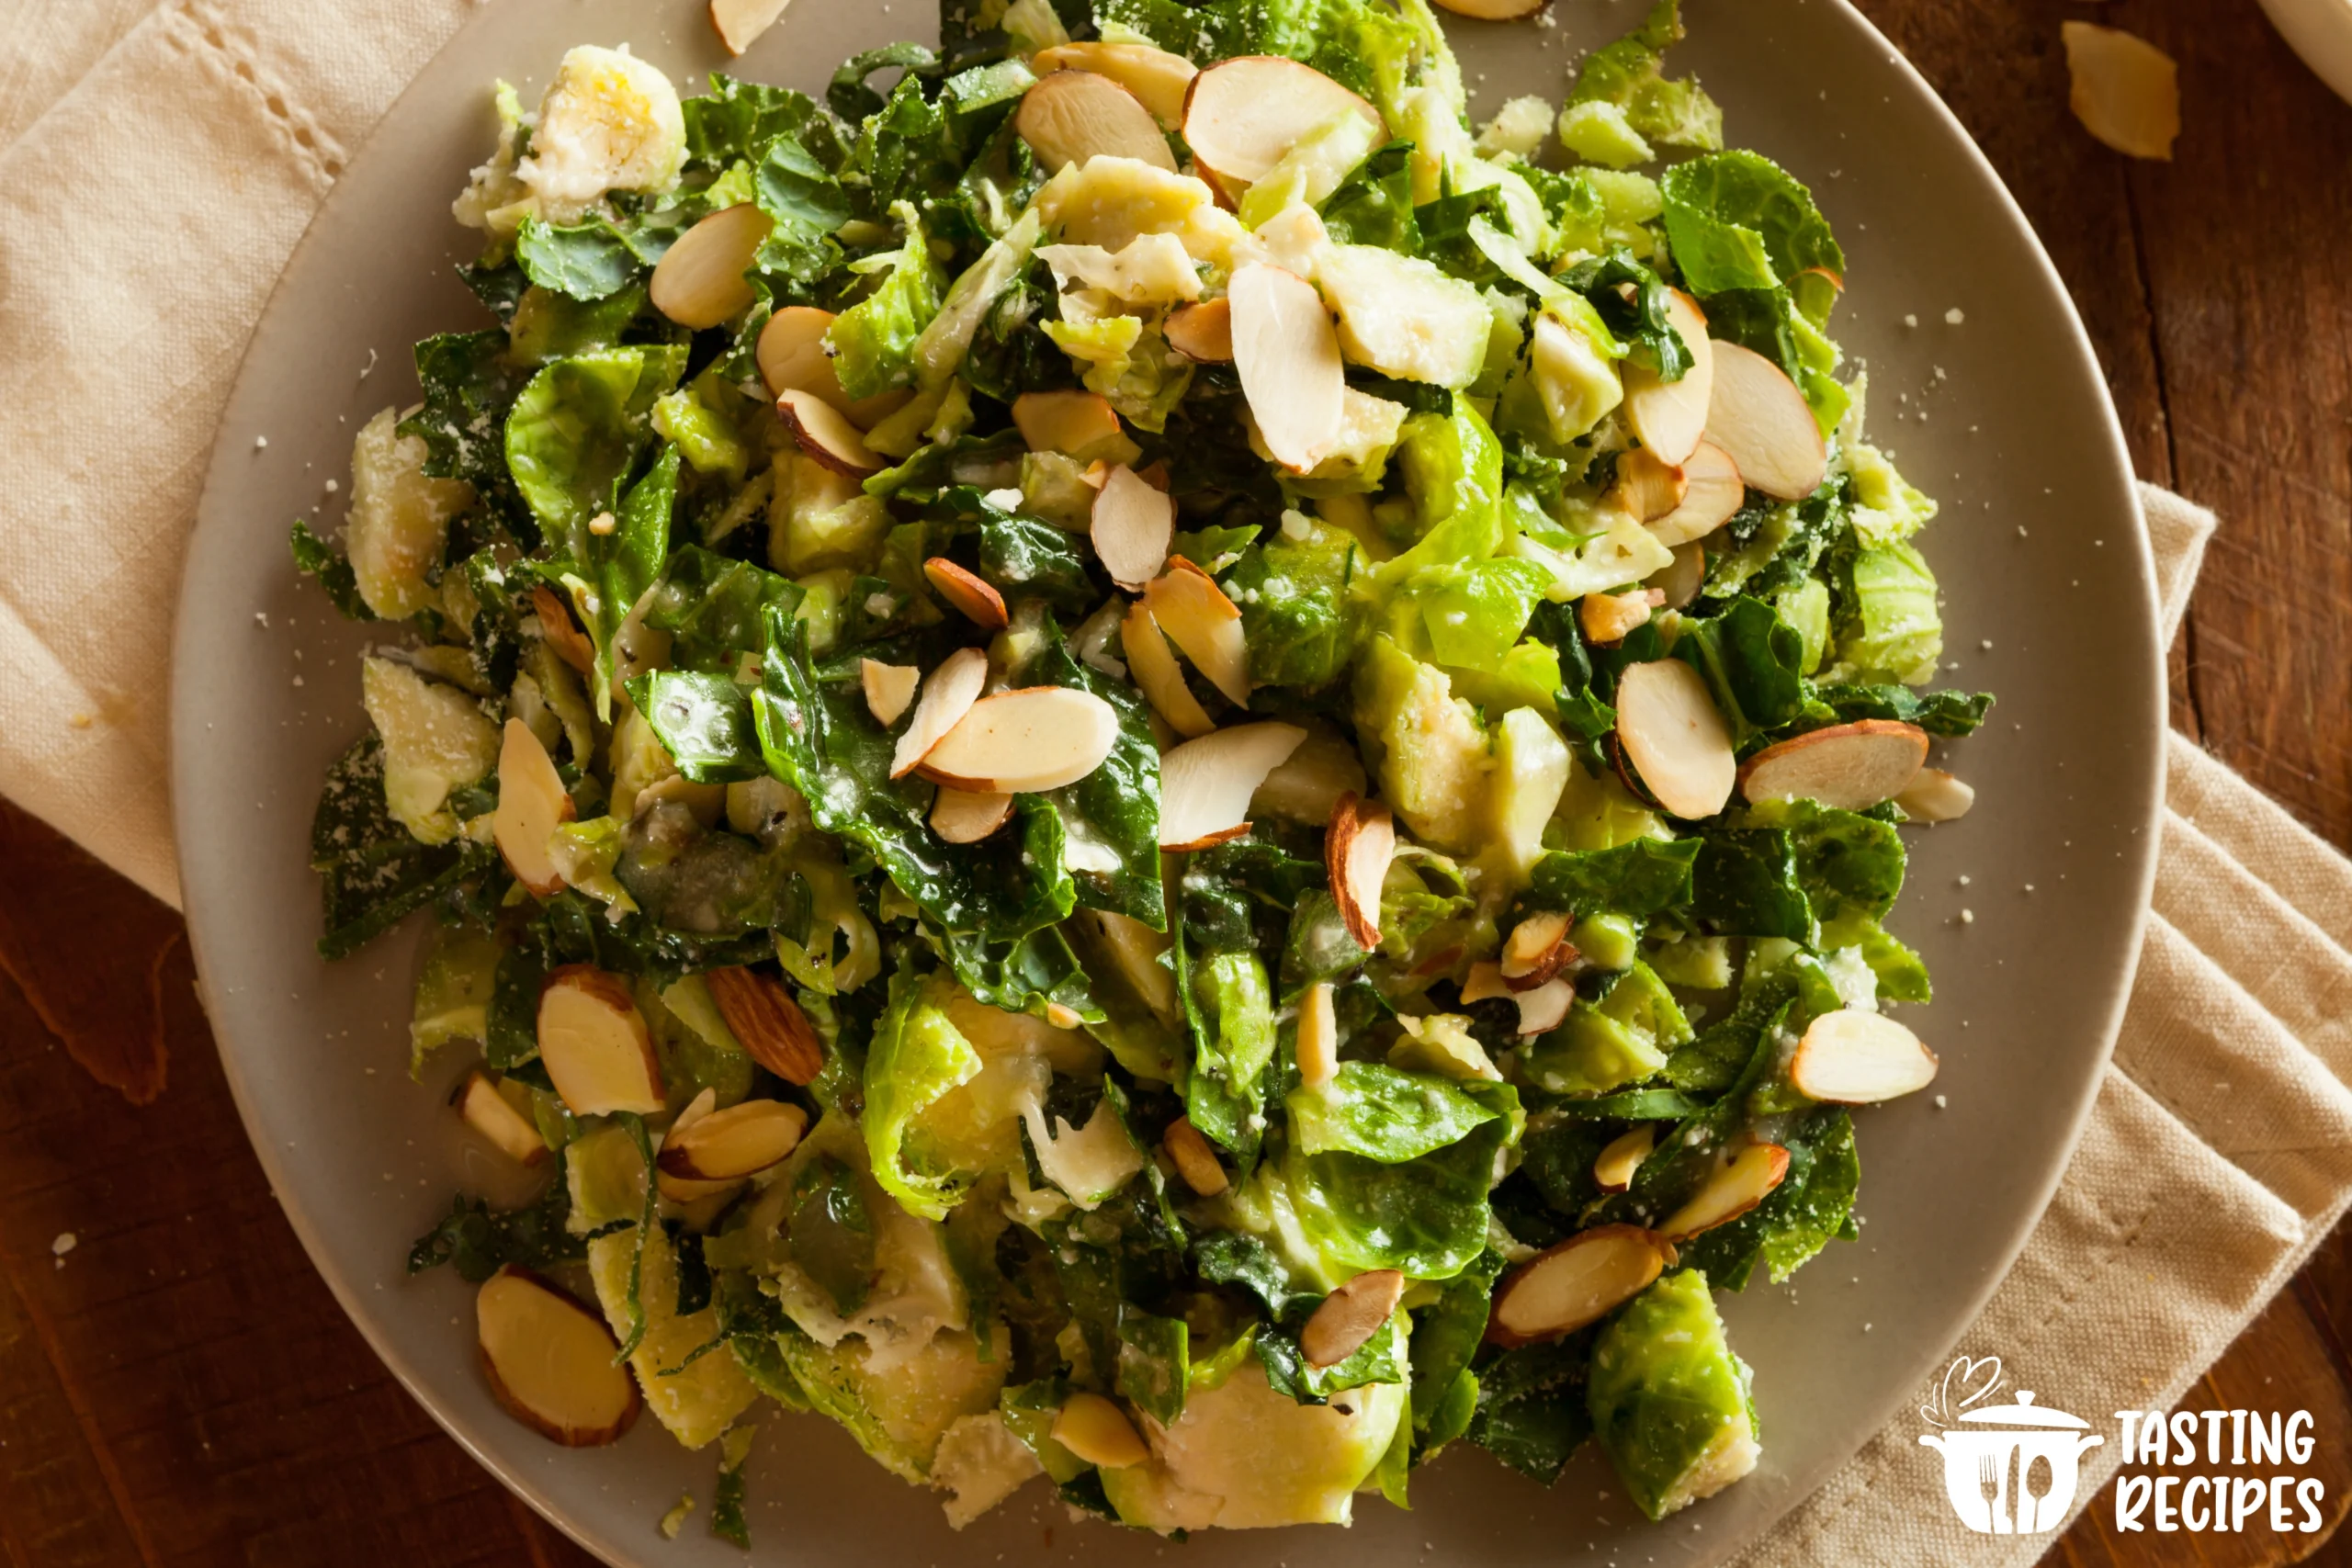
point(1136, 761)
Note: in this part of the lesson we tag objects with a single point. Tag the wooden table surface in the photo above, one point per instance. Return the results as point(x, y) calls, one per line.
point(181, 1389)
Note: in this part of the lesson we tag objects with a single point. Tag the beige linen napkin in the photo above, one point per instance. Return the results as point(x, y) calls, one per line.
point(202, 135)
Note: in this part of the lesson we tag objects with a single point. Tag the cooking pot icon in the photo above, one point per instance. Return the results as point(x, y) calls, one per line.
point(1978, 1461)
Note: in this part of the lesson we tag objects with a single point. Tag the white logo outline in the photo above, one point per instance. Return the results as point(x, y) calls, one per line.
point(1989, 1466)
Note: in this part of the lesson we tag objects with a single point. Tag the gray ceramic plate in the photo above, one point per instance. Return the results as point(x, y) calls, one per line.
point(1980, 375)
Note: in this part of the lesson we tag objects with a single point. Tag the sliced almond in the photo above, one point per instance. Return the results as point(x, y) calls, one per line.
point(699, 282)
point(962, 817)
point(1193, 1159)
point(532, 804)
point(488, 1112)
point(551, 1361)
point(1206, 785)
point(1198, 617)
point(1317, 1043)
point(1712, 493)
point(1854, 766)
point(974, 598)
point(1345, 1320)
point(1934, 796)
point(946, 697)
point(1648, 486)
point(1132, 527)
point(594, 1045)
point(1611, 617)
point(793, 357)
point(763, 1015)
point(1545, 1008)
point(741, 1141)
point(1615, 1168)
point(1157, 78)
point(1580, 1281)
point(1856, 1057)
point(1073, 115)
point(1670, 416)
point(1494, 10)
point(1764, 426)
point(1733, 1189)
point(2126, 90)
point(826, 434)
point(1202, 330)
point(1357, 850)
point(678, 1188)
point(740, 23)
point(561, 632)
point(889, 688)
point(1679, 582)
point(1038, 738)
point(1537, 948)
point(1243, 116)
point(1098, 1432)
point(1287, 352)
point(1073, 423)
point(1157, 673)
point(1668, 731)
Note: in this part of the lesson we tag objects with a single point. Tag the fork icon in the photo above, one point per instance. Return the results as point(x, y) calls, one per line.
point(1992, 1480)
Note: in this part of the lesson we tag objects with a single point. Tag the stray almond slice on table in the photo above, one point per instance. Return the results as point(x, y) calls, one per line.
point(1853, 766)
point(1157, 78)
point(561, 632)
point(485, 1108)
point(763, 1015)
point(1613, 1169)
point(1098, 1432)
point(1202, 330)
point(1021, 741)
point(1132, 526)
point(741, 1141)
point(826, 434)
point(1712, 493)
point(1198, 1162)
point(1729, 1192)
point(1348, 1319)
point(1156, 672)
point(1670, 416)
point(1243, 116)
point(1072, 117)
point(1670, 732)
point(974, 598)
point(889, 688)
point(1357, 850)
point(2126, 90)
point(1287, 352)
point(1764, 426)
point(964, 817)
point(551, 1361)
point(1318, 1043)
point(1648, 486)
point(1537, 948)
point(1934, 796)
point(1206, 785)
point(532, 804)
point(740, 23)
point(1073, 423)
point(1198, 617)
point(699, 280)
point(1854, 1056)
point(594, 1045)
point(947, 696)
point(1580, 1281)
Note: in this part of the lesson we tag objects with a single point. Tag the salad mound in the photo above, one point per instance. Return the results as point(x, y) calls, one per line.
point(1138, 762)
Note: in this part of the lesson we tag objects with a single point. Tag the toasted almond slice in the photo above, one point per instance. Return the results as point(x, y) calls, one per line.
point(1156, 672)
point(532, 804)
point(1679, 582)
point(793, 357)
point(699, 280)
point(1733, 1189)
point(1854, 766)
point(490, 1114)
point(946, 697)
point(1856, 1057)
point(1611, 617)
point(1288, 355)
point(1073, 423)
point(1764, 426)
point(1357, 850)
point(1072, 117)
point(1668, 731)
point(1580, 1281)
point(561, 632)
point(1543, 1008)
point(973, 596)
point(594, 1045)
point(1484, 983)
point(1193, 1159)
point(1202, 330)
point(1494, 10)
point(826, 434)
point(1714, 493)
point(1198, 617)
point(1155, 78)
point(1670, 416)
point(770, 1025)
point(1347, 1319)
point(1537, 948)
point(741, 1141)
point(1018, 742)
point(1934, 796)
point(889, 688)
point(1132, 527)
point(961, 816)
point(551, 1361)
point(1098, 1432)
point(1206, 785)
point(678, 1188)
point(1243, 116)
point(1614, 1170)
point(1648, 486)
point(1318, 1045)
point(2126, 90)
point(740, 23)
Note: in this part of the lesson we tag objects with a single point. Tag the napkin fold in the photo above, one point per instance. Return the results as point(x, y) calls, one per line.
point(203, 135)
